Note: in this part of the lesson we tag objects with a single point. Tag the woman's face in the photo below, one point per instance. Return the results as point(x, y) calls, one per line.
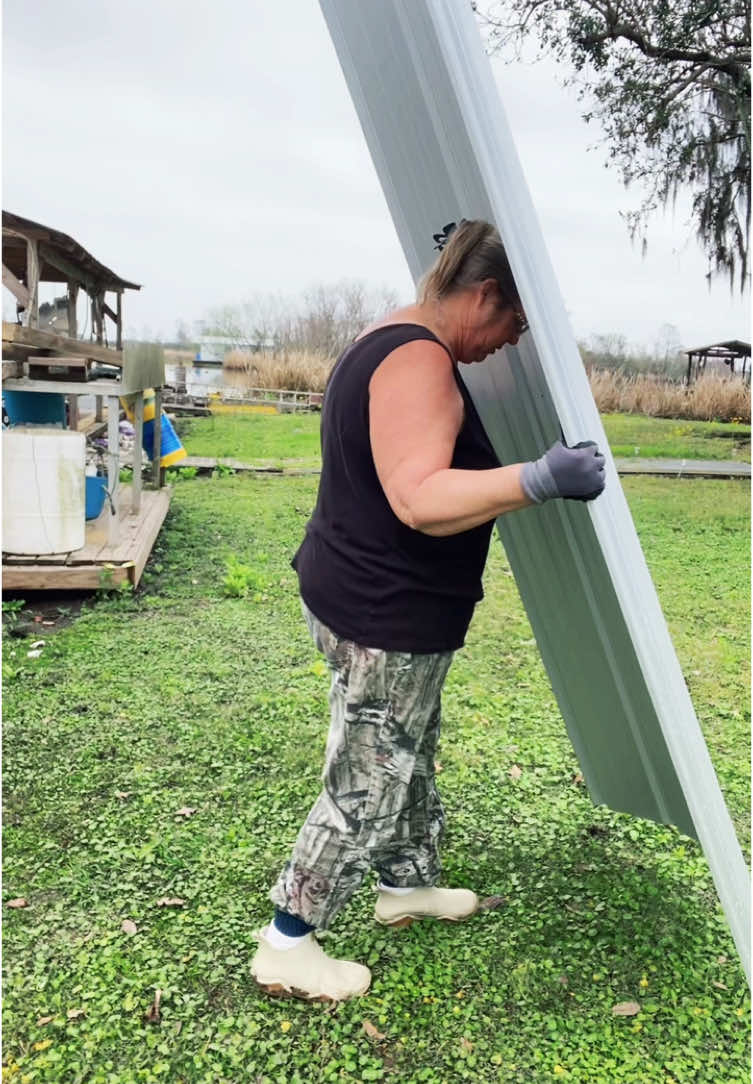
point(487, 324)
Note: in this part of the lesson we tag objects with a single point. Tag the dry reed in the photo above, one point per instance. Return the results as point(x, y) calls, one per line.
point(293, 370)
point(712, 398)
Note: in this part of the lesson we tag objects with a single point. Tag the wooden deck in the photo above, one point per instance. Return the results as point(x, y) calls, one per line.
point(97, 564)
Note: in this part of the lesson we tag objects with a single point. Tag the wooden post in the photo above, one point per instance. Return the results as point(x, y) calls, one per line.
point(72, 320)
point(113, 468)
point(157, 475)
point(690, 366)
point(16, 287)
point(32, 283)
point(73, 414)
point(100, 317)
point(138, 436)
point(119, 325)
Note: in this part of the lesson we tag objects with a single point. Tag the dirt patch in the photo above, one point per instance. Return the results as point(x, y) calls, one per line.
point(41, 610)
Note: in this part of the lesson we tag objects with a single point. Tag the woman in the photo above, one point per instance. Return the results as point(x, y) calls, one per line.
point(390, 571)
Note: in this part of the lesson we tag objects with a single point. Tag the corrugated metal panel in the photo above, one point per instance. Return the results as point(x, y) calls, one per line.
point(432, 117)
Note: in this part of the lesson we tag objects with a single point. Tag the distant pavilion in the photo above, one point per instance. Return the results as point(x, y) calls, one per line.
point(727, 352)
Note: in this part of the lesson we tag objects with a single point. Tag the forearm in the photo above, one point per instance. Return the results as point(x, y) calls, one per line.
point(450, 501)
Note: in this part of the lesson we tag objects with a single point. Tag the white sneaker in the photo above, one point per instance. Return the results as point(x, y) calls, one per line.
point(450, 904)
point(307, 972)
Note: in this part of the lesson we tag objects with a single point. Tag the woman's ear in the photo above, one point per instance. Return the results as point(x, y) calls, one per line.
point(489, 291)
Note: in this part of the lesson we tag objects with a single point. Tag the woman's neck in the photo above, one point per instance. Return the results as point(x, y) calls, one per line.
point(431, 315)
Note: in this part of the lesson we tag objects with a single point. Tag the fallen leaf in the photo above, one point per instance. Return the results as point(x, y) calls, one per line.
point(184, 811)
point(285, 1025)
point(178, 1026)
point(152, 1013)
point(170, 901)
point(578, 778)
point(73, 1014)
point(438, 767)
point(122, 794)
point(721, 959)
point(48, 622)
point(129, 927)
point(44, 1020)
point(515, 772)
point(20, 902)
point(626, 1008)
point(719, 985)
point(466, 1044)
point(38, 643)
point(33, 654)
point(492, 903)
point(372, 1032)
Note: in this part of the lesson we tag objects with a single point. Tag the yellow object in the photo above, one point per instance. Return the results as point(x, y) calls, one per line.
point(172, 451)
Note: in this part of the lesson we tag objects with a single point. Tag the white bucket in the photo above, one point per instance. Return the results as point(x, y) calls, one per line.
point(43, 490)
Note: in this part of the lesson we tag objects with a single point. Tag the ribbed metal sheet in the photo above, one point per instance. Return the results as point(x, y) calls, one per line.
point(431, 114)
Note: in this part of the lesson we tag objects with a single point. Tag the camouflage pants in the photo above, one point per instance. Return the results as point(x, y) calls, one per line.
point(379, 807)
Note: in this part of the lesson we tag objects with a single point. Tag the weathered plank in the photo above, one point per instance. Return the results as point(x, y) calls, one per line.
point(36, 577)
point(49, 340)
point(138, 427)
point(148, 535)
point(684, 468)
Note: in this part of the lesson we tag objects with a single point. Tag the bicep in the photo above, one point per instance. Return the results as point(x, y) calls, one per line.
point(415, 414)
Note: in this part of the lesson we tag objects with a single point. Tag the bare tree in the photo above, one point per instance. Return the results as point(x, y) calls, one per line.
point(323, 320)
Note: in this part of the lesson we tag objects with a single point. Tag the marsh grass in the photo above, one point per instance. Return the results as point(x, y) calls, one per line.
point(712, 398)
point(292, 370)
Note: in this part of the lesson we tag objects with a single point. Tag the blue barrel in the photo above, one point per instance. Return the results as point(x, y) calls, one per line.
point(34, 408)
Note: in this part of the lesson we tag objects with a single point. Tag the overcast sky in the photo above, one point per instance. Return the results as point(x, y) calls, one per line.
point(212, 152)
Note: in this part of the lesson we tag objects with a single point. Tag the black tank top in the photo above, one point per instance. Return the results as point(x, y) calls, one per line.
point(363, 572)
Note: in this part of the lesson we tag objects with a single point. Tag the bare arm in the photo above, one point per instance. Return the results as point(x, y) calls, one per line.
point(415, 415)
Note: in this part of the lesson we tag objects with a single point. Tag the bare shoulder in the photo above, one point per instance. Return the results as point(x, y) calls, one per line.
point(413, 393)
point(420, 363)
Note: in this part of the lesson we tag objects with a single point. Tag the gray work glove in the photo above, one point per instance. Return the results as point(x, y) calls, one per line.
point(577, 473)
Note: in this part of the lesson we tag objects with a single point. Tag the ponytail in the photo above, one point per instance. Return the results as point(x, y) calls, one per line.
point(473, 253)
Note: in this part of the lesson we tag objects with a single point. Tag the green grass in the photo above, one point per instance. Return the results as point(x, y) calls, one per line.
point(260, 439)
point(674, 438)
point(293, 439)
point(182, 696)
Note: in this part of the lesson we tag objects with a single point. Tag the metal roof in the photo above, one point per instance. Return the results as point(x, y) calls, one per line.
point(734, 348)
point(69, 250)
point(430, 110)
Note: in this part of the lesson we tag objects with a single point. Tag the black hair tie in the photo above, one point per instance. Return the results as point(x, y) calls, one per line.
point(444, 236)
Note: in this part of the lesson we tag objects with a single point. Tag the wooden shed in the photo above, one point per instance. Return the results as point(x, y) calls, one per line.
point(55, 359)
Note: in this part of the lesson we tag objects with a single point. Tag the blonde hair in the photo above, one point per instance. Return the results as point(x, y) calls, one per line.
point(474, 252)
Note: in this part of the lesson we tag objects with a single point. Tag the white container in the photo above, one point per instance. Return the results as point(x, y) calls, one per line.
point(43, 490)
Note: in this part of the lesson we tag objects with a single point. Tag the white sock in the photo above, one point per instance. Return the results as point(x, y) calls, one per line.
point(279, 940)
point(395, 890)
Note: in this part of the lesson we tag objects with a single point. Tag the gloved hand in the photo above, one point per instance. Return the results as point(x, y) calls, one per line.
point(577, 473)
